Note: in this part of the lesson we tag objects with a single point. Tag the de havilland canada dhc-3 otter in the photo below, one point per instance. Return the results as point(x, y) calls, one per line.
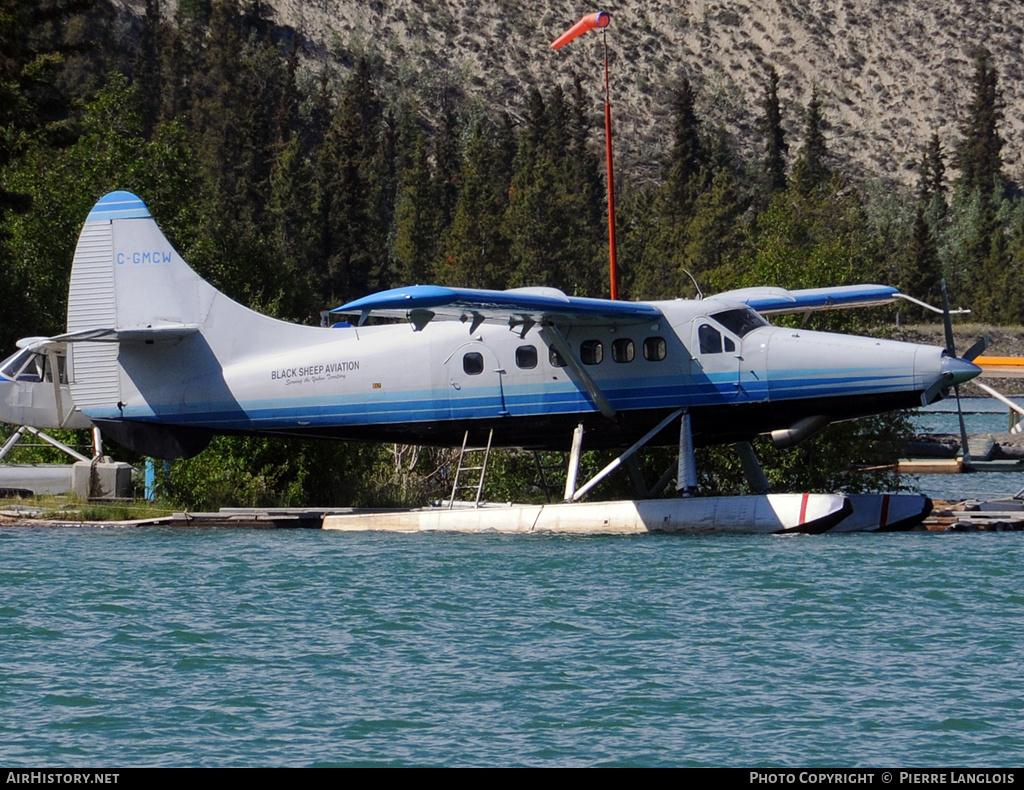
point(160, 361)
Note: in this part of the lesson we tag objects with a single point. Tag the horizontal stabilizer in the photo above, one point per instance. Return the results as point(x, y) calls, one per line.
point(518, 306)
point(109, 335)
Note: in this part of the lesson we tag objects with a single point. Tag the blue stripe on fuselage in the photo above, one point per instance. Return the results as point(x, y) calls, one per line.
point(535, 399)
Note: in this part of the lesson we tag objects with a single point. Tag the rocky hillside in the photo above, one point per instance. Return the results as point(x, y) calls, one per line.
point(890, 72)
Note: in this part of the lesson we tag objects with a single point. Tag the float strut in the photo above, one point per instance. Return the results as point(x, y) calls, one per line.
point(622, 458)
point(686, 479)
point(15, 438)
point(752, 470)
point(574, 462)
point(663, 481)
point(59, 445)
point(633, 467)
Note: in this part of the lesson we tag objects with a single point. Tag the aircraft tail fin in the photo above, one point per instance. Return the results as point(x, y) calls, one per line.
point(150, 340)
point(126, 277)
point(136, 319)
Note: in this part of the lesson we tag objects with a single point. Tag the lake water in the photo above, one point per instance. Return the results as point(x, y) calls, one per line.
point(125, 647)
point(294, 648)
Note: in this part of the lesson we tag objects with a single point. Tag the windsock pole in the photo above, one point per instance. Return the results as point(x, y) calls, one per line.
point(613, 271)
point(589, 22)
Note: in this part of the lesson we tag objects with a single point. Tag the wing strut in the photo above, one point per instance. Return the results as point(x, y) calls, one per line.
point(557, 339)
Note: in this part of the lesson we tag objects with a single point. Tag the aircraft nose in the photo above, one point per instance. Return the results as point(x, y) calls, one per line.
point(957, 371)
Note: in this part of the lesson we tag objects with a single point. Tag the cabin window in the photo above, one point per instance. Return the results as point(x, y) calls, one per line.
point(655, 349)
point(740, 321)
point(623, 350)
point(728, 344)
point(592, 352)
point(710, 339)
point(555, 358)
point(526, 357)
point(473, 363)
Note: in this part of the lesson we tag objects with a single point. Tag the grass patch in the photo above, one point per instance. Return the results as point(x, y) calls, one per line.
point(59, 508)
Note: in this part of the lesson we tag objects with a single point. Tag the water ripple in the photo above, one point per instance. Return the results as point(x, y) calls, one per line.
point(242, 648)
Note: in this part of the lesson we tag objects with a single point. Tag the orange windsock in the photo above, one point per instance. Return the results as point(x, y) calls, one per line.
point(589, 22)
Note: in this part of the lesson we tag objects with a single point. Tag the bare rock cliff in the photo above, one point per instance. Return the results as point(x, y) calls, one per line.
point(889, 72)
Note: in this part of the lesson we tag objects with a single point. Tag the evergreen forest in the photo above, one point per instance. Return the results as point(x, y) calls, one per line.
point(296, 186)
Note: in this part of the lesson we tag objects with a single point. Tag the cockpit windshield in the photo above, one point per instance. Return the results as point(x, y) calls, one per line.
point(740, 321)
point(30, 366)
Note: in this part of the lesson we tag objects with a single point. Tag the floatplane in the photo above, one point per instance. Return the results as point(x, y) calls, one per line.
point(160, 361)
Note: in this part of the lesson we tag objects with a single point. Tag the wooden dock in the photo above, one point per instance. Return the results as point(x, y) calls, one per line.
point(975, 516)
point(946, 516)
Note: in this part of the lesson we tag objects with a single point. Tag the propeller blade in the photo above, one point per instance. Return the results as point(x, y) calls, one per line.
point(947, 324)
point(963, 431)
point(976, 349)
point(933, 393)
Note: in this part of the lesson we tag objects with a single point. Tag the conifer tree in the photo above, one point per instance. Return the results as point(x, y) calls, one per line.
point(290, 220)
point(583, 174)
point(476, 246)
point(580, 192)
point(979, 155)
point(687, 158)
point(714, 234)
point(148, 68)
point(1014, 279)
point(811, 170)
point(532, 222)
point(446, 164)
point(640, 261)
point(32, 49)
point(390, 158)
point(416, 221)
point(993, 285)
point(931, 173)
point(286, 117)
point(352, 240)
point(775, 146)
point(923, 273)
point(528, 221)
point(551, 242)
point(685, 172)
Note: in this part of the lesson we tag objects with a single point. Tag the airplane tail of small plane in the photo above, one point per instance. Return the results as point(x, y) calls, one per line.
point(128, 283)
point(150, 337)
point(126, 275)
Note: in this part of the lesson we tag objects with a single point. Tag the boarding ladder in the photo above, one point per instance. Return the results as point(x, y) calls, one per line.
point(470, 462)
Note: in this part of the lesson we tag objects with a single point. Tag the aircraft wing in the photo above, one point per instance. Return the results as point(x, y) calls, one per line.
point(518, 306)
point(778, 301)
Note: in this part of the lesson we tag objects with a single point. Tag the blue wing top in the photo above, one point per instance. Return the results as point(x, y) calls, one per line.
point(518, 305)
point(776, 301)
point(529, 306)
